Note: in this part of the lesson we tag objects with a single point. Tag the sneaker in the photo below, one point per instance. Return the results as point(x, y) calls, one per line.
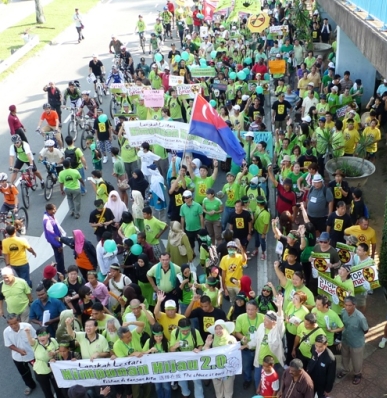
point(105, 159)
point(174, 386)
point(370, 292)
point(23, 232)
point(382, 343)
point(42, 184)
point(107, 92)
point(113, 160)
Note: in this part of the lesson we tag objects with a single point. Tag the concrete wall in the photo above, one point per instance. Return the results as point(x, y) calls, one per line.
point(370, 41)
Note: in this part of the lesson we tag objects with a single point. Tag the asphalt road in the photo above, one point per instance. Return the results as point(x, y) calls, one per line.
point(65, 61)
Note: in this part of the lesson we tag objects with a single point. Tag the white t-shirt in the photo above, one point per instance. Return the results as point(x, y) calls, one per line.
point(53, 157)
point(77, 18)
point(147, 159)
point(19, 340)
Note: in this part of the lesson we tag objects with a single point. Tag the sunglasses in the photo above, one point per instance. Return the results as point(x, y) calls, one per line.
point(323, 241)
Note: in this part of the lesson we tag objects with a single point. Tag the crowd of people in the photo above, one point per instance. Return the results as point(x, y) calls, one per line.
point(126, 294)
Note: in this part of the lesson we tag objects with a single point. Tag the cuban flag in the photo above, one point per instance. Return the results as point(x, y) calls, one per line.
point(206, 123)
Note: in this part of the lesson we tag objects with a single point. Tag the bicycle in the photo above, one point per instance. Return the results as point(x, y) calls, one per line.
point(28, 181)
point(114, 106)
point(86, 123)
point(100, 90)
point(72, 130)
point(18, 219)
point(49, 135)
point(127, 75)
point(51, 179)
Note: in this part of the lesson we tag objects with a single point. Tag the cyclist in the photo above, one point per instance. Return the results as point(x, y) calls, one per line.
point(97, 69)
point(167, 18)
point(10, 193)
point(153, 43)
point(22, 151)
point(126, 60)
point(116, 44)
point(54, 98)
point(140, 28)
point(52, 119)
point(115, 76)
point(89, 103)
point(74, 93)
point(159, 28)
point(52, 155)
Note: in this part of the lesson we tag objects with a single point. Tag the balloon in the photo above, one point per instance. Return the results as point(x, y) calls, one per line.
point(232, 75)
point(248, 61)
point(266, 76)
point(202, 278)
point(200, 7)
point(58, 290)
point(177, 58)
point(184, 56)
point(241, 75)
point(213, 54)
point(158, 57)
point(253, 169)
point(200, 16)
point(203, 62)
point(136, 249)
point(247, 71)
point(213, 103)
point(110, 246)
point(102, 118)
point(133, 238)
point(259, 90)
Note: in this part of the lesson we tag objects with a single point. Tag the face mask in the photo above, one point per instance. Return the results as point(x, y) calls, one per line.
point(231, 252)
point(253, 186)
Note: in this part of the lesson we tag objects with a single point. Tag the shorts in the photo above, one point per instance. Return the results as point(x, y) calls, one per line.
point(371, 155)
point(320, 223)
point(19, 164)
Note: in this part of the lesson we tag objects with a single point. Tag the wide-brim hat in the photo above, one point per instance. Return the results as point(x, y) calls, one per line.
point(229, 326)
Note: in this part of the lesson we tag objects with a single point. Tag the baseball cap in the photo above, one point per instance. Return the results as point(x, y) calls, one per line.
point(237, 107)
point(278, 55)
point(170, 305)
point(166, 67)
point(228, 102)
point(311, 84)
point(317, 178)
point(335, 88)
point(250, 134)
point(271, 315)
point(307, 119)
point(324, 236)
point(254, 180)
point(245, 97)
point(331, 65)
point(232, 244)
point(230, 174)
point(322, 119)
point(286, 158)
point(187, 194)
point(142, 59)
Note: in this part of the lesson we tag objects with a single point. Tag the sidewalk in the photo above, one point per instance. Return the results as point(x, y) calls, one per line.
point(16, 11)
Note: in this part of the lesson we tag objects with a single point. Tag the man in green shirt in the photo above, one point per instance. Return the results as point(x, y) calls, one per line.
point(154, 228)
point(128, 153)
point(70, 181)
point(191, 214)
point(174, 105)
point(203, 182)
point(80, 159)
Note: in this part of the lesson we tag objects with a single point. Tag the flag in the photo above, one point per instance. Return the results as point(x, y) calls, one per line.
point(223, 4)
point(248, 6)
point(206, 123)
point(208, 11)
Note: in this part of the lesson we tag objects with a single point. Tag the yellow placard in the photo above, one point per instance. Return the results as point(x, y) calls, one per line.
point(258, 23)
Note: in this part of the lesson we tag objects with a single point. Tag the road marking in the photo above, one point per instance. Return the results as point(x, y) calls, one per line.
point(67, 119)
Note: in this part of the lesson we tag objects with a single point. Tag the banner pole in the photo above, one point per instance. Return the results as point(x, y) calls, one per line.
point(189, 128)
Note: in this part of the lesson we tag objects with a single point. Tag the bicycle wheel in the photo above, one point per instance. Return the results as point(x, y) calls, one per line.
point(48, 187)
point(34, 183)
point(73, 130)
point(25, 195)
point(83, 139)
point(22, 215)
point(113, 107)
point(99, 95)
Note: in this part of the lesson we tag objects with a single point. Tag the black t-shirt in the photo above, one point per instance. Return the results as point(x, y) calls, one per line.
point(96, 67)
point(173, 54)
point(316, 35)
point(338, 224)
point(286, 246)
point(253, 110)
point(306, 160)
point(95, 218)
point(330, 85)
point(175, 203)
point(73, 290)
point(280, 110)
point(207, 319)
point(222, 250)
point(337, 194)
point(126, 57)
point(102, 129)
point(357, 210)
point(240, 224)
point(289, 270)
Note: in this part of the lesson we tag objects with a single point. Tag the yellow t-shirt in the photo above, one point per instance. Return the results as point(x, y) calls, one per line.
point(363, 235)
point(169, 324)
point(351, 138)
point(16, 249)
point(233, 268)
point(375, 135)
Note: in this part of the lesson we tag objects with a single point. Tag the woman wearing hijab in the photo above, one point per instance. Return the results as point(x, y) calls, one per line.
point(141, 267)
point(61, 334)
point(118, 207)
point(84, 252)
point(239, 307)
point(157, 192)
point(178, 245)
point(220, 336)
point(138, 182)
point(137, 206)
point(185, 287)
point(195, 164)
point(245, 287)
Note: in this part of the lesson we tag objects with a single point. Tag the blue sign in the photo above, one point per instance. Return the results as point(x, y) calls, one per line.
point(266, 136)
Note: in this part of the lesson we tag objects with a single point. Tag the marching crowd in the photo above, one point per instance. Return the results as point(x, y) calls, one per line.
point(127, 294)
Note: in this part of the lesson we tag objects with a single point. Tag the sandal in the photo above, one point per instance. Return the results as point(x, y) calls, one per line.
point(356, 379)
point(341, 375)
point(254, 253)
point(263, 256)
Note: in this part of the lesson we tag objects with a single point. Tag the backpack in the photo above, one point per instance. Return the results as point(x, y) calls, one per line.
point(70, 155)
point(109, 186)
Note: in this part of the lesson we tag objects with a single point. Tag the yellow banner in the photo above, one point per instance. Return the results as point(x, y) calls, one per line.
point(223, 4)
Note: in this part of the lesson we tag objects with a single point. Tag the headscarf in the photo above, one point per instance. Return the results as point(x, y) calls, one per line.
point(225, 339)
point(142, 271)
point(61, 334)
point(157, 183)
point(245, 285)
point(117, 207)
point(139, 183)
point(79, 241)
point(239, 310)
point(137, 205)
point(197, 162)
point(175, 234)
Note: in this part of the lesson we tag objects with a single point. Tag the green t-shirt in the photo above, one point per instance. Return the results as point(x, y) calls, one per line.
point(160, 151)
point(119, 167)
point(300, 313)
point(191, 216)
point(326, 80)
point(264, 349)
point(210, 205)
point(70, 179)
point(201, 186)
point(141, 111)
point(348, 286)
point(188, 344)
point(306, 346)
point(152, 228)
point(20, 153)
point(141, 318)
point(154, 114)
point(128, 153)
point(309, 62)
point(42, 356)
point(252, 195)
point(158, 346)
point(247, 326)
point(262, 218)
point(155, 78)
point(140, 26)
point(88, 348)
point(212, 294)
point(233, 193)
point(174, 106)
point(332, 319)
point(290, 290)
point(294, 178)
point(16, 296)
point(128, 229)
point(122, 350)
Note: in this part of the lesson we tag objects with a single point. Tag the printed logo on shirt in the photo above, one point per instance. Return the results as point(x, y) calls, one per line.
point(232, 267)
point(240, 223)
point(362, 238)
point(179, 200)
point(207, 322)
point(230, 194)
point(102, 127)
point(13, 248)
point(171, 327)
point(202, 189)
point(289, 273)
point(281, 109)
point(337, 192)
point(338, 225)
point(307, 164)
point(69, 178)
point(264, 340)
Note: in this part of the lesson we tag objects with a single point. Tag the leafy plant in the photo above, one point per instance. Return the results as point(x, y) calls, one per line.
point(361, 148)
point(300, 18)
point(330, 144)
point(350, 170)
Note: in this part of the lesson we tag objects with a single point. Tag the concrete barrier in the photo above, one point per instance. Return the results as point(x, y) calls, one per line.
point(12, 59)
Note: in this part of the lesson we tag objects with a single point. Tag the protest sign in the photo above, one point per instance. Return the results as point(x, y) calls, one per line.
point(175, 80)
point(320, 263)
point(340, 113)
point(203, 31)
point(365, 276)
point(266, 136)
point(134, 90)
point(154, 98)
point(117, 88)
point(152, 368)
point(344, 251)
point(171, 135)
point(186, 91)
point(279, 29)
point(219, 86)
point(334, 289)
point(208, 71)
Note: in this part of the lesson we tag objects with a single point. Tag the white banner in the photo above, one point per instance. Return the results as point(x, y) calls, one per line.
point(279, 29)
point(175, 80)
point(203, 31)
point(188, 90)
point(171, 135)
point(152, 368)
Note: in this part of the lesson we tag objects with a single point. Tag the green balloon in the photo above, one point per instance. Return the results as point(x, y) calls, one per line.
point(213, 54)
point(133, 238)
point(241, 75)
point(136, 249)
point(58, 290)
point(253, 169)
point(102, 118)
point(232, 75)
point(158, 57)
point(110, 246)
point(213, 103)
point(259, 90)
point(248, 61)
point(177, 58)
point(184, 56)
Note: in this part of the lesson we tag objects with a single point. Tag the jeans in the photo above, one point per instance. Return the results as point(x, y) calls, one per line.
point(198, 387)
point(226, 215)
point(23, 271)
point(247, 363)
point(59, 259)
point(163, 390)
point(258, 370)
point(259, 241)
point(74, 200)
point(82, 173)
